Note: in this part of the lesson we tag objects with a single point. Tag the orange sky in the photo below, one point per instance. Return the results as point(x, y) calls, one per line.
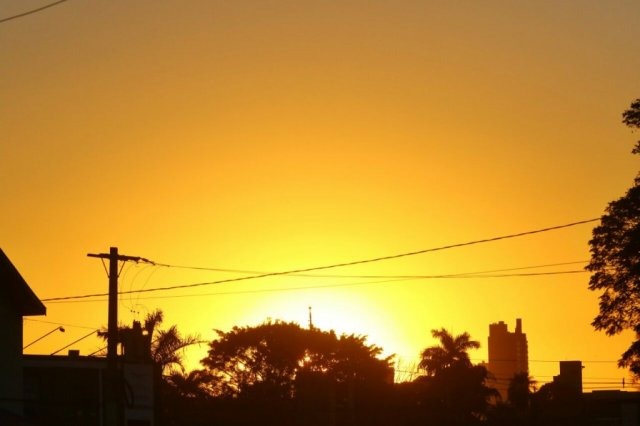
point(275, 135)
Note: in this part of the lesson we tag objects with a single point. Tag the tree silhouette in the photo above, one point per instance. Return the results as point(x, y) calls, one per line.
point(269, 357)
point(451, 351)
point(520, 406)
point(631, 118)
point(519, 392)
point(278, 373)
point(454, 392)
point(252, 359)
point(165, 348)
point(194, 384)
point(615, 261)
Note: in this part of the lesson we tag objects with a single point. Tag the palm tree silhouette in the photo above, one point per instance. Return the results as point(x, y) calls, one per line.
point(520, 390)
point(165, 348)
point(451, 351)
point(167, 345)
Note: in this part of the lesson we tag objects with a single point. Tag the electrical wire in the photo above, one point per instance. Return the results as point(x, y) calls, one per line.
point(335, 265)
point(137, 302)
point(244, 271)
point(236, 292)
point(429, 250)
point(547, 360)
point(30, 12)
point(312, 287)
point(60, 323)
point(75, 341)
point(97, 351)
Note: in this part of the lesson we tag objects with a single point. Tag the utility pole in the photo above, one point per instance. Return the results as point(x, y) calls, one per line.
point(113, 395)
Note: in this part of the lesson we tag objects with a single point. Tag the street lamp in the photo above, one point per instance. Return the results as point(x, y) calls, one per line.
point(61, 328)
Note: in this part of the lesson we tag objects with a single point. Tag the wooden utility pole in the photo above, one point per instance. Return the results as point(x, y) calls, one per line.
point(114, 414)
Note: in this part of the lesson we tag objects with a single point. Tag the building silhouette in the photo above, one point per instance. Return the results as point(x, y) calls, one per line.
point(508, 354)
point(570, 378)
point(17, 300)
point(66, 389)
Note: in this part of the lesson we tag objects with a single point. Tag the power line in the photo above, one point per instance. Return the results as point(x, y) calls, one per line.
point(60, 323)
point(586, 384)
point(336, 265)
point(429, 250)
point(546, 360)
point(75, 341)
point(385, 279)
point(416, 359)
point(97, 351)
point(478, 273)
point(20, 15)
point(528, 274)
point(235, 292)
point(78, 299)
point(244, 271)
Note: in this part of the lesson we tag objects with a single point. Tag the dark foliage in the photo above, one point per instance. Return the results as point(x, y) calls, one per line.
point(452, 351)
point(615, 262)
point(631, 118)
point(454, 392)
point(519, 392)
point(280, 373)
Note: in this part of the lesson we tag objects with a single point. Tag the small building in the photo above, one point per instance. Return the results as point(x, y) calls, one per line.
point(570, 378)
point(17, 300)
point(65, 390)
point(69, 389)
point(563, 402)
point(612, 408)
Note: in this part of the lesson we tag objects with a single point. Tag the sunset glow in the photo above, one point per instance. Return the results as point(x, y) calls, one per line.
point(281, 135)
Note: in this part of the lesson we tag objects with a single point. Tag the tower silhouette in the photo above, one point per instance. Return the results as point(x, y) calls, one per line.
point(508, 354)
